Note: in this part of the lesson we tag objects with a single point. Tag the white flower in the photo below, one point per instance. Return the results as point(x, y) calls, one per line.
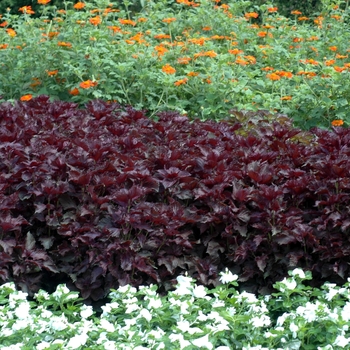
point(293, 328)
point(223, 348)
point(332, 291)
point(77, 341)
point(131, 308)
point(288, 283)
point(44, 295)
point(86, 311)
point(108, 326)
point(58, 323)
point(17, 346)
point(282, 319)
point(185, 327)
point(227, 277)
point(327, 347)
point(179, 337)
point(156, 333)
point(22, 310)
point(269, 335)
point(154, 303)
point(199, 292)
point(20, 324)
point(201, 316)
point(203, 342)
point(261, 321)
point(249, 298)
point(309, 311)
point(129, 322)
point(43, 345)
point(127, 289)
point(218, 303)
point(345, 312)
point(341, 341)
point(145, 314)
point(60, 290)
point(109, 345)
point(184, 281)
point(298, 272)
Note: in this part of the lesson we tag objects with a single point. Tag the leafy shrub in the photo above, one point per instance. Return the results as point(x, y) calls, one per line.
point(103, 196)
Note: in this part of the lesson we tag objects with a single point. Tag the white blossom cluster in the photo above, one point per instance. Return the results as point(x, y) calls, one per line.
point(190, 317)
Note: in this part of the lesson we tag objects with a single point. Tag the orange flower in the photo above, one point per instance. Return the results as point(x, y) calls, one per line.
point(74, 92)
point(181, 82)
point(341, 56)
point(309, 61)
point(26, 97)
point(11, 32)
point(87, 84)
point(95, 20)
point(272, 9)
point(339, 69)
point(303, 18)
point(168, 69)
point(333, 48)
point(160, 50)
point(266, 69)
point(36, 82)
point(284, 74)
point(184, 60)
point(208, 81)
point(4, 24)
point(235, 51)
point(3, 46)
point(142, 19)
point(64, 44)
point(251, 15)
point(52, 72)
point(205, 54)
point(127, 22)
point(262, 34)
point(43, 2)
point(273, 76)
point(337, 122)
point(210, 53)
point(79, 5)
point(26, 9)
point(162, 36)
point(329, 62)
point(286, 98)
point(169, 20)
point(250, 59)
point(115, 29)
point(319, 21)
point(296, 12)
point(206, 28)
point(241, 61)
point(192, 74)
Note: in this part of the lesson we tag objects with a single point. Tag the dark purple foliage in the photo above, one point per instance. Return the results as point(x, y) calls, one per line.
point(103, 196)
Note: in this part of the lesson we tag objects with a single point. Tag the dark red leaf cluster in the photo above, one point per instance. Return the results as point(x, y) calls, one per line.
point(103, 196)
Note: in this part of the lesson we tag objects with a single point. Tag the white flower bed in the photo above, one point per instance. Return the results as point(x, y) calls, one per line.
point(191, 317)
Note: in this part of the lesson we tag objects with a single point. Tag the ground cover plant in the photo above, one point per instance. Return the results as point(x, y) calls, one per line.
point(200, 58)
point(190, 317)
